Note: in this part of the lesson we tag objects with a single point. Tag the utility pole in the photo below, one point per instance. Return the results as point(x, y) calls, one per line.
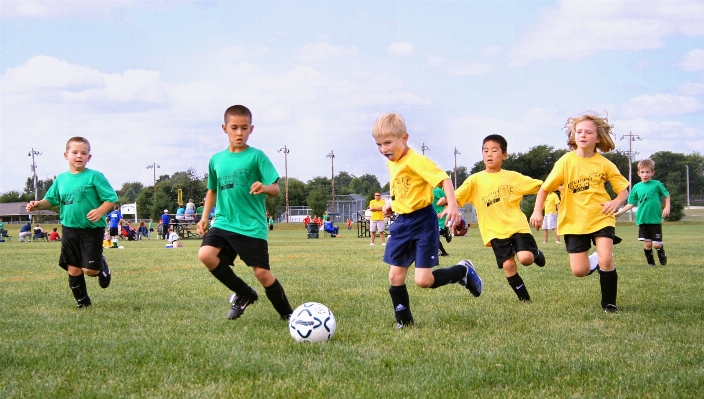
point(32, 153)
point(331, 155)
point(631, 138)
point(456, 153)
point(687, 166)
point(285, 150)
point(154, 165)
point(424, 148)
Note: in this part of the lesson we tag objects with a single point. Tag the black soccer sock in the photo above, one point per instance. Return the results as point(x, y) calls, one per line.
point(402, 304)
point(277, 297)
point(448, 275)
point(609, 287)
point(227, 276)
point(519, 287)
point(649, 256)
point(79, 289)
point(442, 249)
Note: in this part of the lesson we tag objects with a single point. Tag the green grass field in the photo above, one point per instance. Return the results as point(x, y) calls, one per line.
point(160, 330)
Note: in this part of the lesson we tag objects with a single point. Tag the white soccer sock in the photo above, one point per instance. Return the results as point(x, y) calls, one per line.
point(593, 261)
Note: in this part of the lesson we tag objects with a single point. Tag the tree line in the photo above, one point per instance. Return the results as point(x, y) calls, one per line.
point(537, 162)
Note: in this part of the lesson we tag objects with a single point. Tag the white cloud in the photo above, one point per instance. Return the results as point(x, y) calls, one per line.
point(401, 49)
point(578, 29)
point(660, 105)
point(53, 9)
point(691, 89)
point(321, 51)
point(693, 60)
point(466, 69)
point(436, 60)
point(657, 136)
point(491, 51)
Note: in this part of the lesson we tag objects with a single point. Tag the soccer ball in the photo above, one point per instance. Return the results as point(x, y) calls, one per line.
point(312, 322)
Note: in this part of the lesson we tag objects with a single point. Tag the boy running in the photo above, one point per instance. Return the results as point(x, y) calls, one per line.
point(646, 196)
point(414, 236)
point(84, 196)
point(238, 178)
point(496, 195)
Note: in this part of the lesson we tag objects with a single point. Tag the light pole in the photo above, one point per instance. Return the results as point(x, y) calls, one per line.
point(331, 155)
point(32, 153)
point(631, 138)
point(154, 165)
point(687, 166)
point(456, 153)
point(424, 148)
point(285, 150)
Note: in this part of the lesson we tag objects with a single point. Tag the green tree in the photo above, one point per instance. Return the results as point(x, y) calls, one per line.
point(462, 175)
point(129, 192)
point(318, 200)
point(11, 196)
point(365, 185)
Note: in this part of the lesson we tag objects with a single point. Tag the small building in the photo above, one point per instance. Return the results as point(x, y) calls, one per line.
point(16, 212)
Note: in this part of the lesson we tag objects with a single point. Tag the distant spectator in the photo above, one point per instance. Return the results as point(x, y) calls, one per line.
point(142, 231)
point(180, 214)
point(26, 231)
point(54, 236)
point(165, 221)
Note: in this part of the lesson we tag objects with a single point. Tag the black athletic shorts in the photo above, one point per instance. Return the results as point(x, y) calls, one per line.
point(577, 243)
point(506, 248)
point(81, 248)
point(650, 232)
point(114, 232)
point(252, 251)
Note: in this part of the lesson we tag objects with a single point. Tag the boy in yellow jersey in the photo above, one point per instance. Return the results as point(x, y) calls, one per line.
point(496, 194)
point(377, 222)
point(552, 204)
point(414, 235)
point(587, 211)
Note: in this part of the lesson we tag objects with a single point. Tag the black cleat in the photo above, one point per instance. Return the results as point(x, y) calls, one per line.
point(240, 303)
point(540, 259)
point(400, 325)
point(609, 309)
point(285, 317)
point(662, 257)
point(83, 303)
point(447, 234)
point(104, 276)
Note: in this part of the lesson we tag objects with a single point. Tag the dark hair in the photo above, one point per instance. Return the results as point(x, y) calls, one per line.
point(498, 139)
point(239, 110)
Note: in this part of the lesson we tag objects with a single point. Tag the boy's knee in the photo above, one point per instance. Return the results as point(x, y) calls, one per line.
point(524, 257)
point(91, 272)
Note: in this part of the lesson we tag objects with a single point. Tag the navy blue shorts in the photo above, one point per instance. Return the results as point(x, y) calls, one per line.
point(252, 251)
point(81, 248)
point(414, 237)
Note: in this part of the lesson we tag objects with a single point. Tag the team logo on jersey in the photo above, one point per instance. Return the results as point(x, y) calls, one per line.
point(504, 192)
point(401, 186)
point(238, 178)
point(594, 180)
point(76, 195)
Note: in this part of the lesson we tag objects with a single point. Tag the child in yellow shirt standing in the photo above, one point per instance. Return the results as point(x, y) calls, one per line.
point(586, 210)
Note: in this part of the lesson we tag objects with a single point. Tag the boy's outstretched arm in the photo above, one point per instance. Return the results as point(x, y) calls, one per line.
point(202, 225)
point(623, 210)
point(536, 219)
point(97, 213)
point(451, 211)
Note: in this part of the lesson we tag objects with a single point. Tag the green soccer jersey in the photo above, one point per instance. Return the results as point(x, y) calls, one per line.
point(231, 174)
point(79, 193)
point(646, 196)
point(437, 194)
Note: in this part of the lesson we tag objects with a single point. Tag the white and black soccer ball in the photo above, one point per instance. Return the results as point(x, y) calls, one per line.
point(312, 322)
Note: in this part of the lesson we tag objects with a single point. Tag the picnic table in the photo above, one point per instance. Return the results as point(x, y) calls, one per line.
point(185, 230)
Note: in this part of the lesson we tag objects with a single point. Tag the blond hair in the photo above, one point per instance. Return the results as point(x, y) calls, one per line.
point(77, 140)
point(390, 123)
point(603, 130)
point(646, 163)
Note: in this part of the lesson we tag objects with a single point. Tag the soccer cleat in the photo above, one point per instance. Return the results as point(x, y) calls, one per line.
point(471, 280)
point(285, 317)
point(83, 303)
point(104, 276)
point(444, 254)
point(403, 324)
point(447, 234)
point(662, 256)
point(240, 303)
point(371, 243)
point(540, 259)
point(610, 309)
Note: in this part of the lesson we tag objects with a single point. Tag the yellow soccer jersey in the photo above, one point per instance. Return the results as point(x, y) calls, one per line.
point(497, 199)
point(412, 180)
point(378, 215)
point(551, 202)
point(583, 193)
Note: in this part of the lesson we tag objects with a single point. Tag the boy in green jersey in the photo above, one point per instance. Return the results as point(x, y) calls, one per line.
point(646, 196)
point(239, 178)
point(84, 197)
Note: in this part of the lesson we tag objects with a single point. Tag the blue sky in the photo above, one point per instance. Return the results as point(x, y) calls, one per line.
point(148, 81)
